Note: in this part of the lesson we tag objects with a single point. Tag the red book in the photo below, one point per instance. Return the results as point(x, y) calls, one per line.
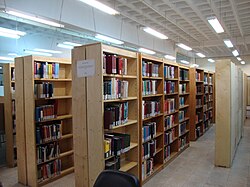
point(120, 65)
point(114, 64)
point(109, 64)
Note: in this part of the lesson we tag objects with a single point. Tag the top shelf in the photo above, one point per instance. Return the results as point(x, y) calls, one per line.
point(53, 80)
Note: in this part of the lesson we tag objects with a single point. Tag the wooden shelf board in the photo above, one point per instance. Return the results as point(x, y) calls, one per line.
point(169, 94)
point(187, 131)
point(158, 151)
point(53, 80)
point(198, 122)
point(187, 93)
point(199, 107)
point(176, 138)
point(62, 174)
point(67, 136)
point(130, 122)
point(175, 125)
point(120, 76)
point(165, 114)
point(61, 117)
point(56, 97)
point(199, 94)
point(157, 78)
point(183, 107)
point(187, 118)
point(120, 100)
point(156, 136)
point(199, 81)
point(127, 165)
point(184, 80)
point(168, 79)
point(57, 140)
point(158, 115)
point(133, 145)
point(153, 95)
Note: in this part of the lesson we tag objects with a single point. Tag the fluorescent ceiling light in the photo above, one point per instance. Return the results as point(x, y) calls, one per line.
point(35, 18)
point(213, 21)
point(235, 53)
point(183, 46)
point(200, 55)
point(143, 50)
point(72, 44)
point(238, 58)
point(155, 33)
point(11, 33)
point(194, 66)
point(6, 58)
point(109, 39)
point(37, 53)
point(100, 6)
point(228, 43)
point(210, 60)
point(47, 51)
point(184, 62)
point(243, 62)
point(65, 46)
point(170, 57)
point(12, 54)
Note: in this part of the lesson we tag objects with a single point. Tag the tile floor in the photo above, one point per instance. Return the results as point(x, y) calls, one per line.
point(193, 168)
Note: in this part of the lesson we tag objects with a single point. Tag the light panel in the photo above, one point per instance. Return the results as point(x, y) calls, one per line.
point(65, 46)
point(147, 51)
point(235, 53)
point(9, 33)
point(72, 44)
point(243, 62)
point(185, 47)
point(228, 43)
point(109, 39)
point(210, 60)
point(214, 22)
point(200, 55)
point(238, 58)
point(47, 51)
point(155, 33)
point(169, 57)
point(184, 62)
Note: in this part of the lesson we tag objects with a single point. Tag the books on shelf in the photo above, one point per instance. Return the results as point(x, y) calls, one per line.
point(148, 149)
point(182, 142)
point(46, 70)
point(205, 79)
point(45, 112)
point(198, 132)
point(149, 87)
point(147, 168)
point(169, 87)
point(198, 116)
point(210, 80)
point(169, 105)
point(115, 89)
point(150, 69)
point(182, 128)
point(198, 89)
point(182, 101)
point(48, 132)
point(49, 170)
point(181, 115)
point(205, 89)
point(169, 136)
point(150, 108)
point(197, 76)
point(183, 88)
point(47, 152)
point(169, 72)
point(183, 75)
point(115, 114)
point(210, 89)
point(169, 121)
point(199, 102)
point(113, 163)
point(167, 152)
point(44, 90)
point(148, 131)
point(113, 64)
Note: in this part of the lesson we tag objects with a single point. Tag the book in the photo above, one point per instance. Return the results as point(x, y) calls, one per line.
point(169, 105)
point(169, 87)
point(148, 131)
point(113, 64)
point(115, 89)
point(169, 136)
point(183, 88)
point(169, 121)
point(182, 128)
point(49, 170)
point(197, 76)
point(181, 101)
point(149, 87)
point(43, 90)
point(169, 72)
point(183, 75)
point(46, 70)
point(150, 108)
point(150, 69)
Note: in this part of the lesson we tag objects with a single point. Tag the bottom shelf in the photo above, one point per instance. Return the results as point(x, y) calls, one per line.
point(173, 155)
point(127, 165)
point(62, 174)
point(156, 169)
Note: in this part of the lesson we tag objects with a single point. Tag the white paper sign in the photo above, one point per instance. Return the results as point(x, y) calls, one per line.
point(85, 68)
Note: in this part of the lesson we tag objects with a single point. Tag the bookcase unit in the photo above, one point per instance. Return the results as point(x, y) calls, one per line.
point(44, 110)
point(10, 114)
point(116, 86)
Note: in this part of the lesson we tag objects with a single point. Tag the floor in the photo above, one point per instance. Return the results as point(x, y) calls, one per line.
point(193, 168)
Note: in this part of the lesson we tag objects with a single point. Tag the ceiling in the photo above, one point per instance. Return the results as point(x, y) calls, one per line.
point(186, 21)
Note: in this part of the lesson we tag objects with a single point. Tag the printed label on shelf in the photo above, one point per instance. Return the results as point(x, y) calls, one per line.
point(85, 68)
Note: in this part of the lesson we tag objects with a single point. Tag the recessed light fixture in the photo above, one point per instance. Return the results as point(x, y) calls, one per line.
point(47, 51)
point(6, 58)
point(184, 62)
point(100, 6)
point(12, 54)
point(243, 62)
point(200, 55)
point(65, 46)
point(9, 33)
point(147, 51)
point(183, 46)
point(35, 18)
point(37, 53)
point(228, 43)
point(109, 39)
point(210, 60)
point(238, 58)
point(169, 57)
point(194, 66)
point(235, 53)
point(155, 33)
point(72, 44)
point(213, 21)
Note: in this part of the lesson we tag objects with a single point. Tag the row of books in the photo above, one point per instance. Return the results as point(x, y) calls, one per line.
point(167, 152)
point(207, 106)
point(205, 79)
point(12, 74)
point(197, 76)
point(150, 69)
point(183, 88)
point(47, 133)
point(150, 108)
point(207, 115)
point(169, 87)
point(115, 144)
point(199, 89)
point(149, 87)
point(49, 170)
point(148, 131)
point(183, 75)
point(148, 149)
point(181, 101)
point(207, 124)
point(182, 128)
point(169, 121)
point(198, 131)
point(147, 168)
point(206, 89)
point(47, 152)
point(46, 70)
point(169, 105)
point(198, 102)
point(208, 98)
point(115, 114)
point(43, 90)
point(13, 107)
point(45, 112)
point(115, 89)
point(113, 64)
point(210, 89)
point(113, 163)
point(181, 115)
point(169, 72)
point(183, 141)
point(169, 136)
point(198, 116)
point(208, 80)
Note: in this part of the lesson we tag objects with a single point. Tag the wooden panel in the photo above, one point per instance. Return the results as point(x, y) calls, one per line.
point(95, 114)
point(29, 109)
point(248, 90)
point(79, 104)
point(20, 121)
point(192, 105)
point(1, 99)
point(223, 112)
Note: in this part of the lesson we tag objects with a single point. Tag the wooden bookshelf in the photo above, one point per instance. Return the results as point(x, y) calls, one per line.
point(212, 95)
point(89, 129)
point(10, 114)
point(58, 128)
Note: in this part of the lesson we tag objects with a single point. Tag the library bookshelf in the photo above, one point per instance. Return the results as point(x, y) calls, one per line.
point(9, 113)
point(109, 112)
point(44, 110)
